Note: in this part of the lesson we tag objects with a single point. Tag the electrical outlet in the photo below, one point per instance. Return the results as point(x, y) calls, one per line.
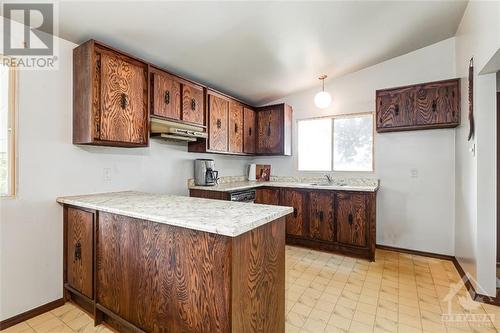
point(414, 173)
point(106, 174)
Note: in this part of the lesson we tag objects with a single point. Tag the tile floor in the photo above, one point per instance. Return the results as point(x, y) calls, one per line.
point(331, 293)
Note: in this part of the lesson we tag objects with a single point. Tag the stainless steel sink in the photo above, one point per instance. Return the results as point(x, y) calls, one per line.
point(326, 184)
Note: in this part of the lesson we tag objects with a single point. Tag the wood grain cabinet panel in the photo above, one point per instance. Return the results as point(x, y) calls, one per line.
point(422, 106)
point(268, 196)
point(193, 106)
point(437, 103)
point(110, 97)
point(249, 131)
point(218, 123)
point(351, 219)
point(235, 127)
point(79, 250)
point(274, 125)
point(165, 95)
point(296, 223)
point(321, 216)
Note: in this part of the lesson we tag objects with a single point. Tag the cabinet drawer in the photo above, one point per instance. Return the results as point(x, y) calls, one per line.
point(351, 219)
point(79, 250)
point(321, 216)
point(193, 106)
point(296, 223)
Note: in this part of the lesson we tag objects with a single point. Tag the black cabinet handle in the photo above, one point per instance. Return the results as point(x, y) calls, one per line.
point(123, 101)
point(350, 219)
point(295, 212)
point(249, 131)
point(268, 129)
point(193, 104)
point(219, 123)
point(434, 106)
point(78, 251)
point(167, 97)
point(321, 216)
point(235, 128)
point(396, 109)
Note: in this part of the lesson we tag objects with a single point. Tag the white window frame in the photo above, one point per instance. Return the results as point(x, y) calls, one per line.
point(12, 133)
point(332, 118)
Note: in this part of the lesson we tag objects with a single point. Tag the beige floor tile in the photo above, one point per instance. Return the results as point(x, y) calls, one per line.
point(357, 327)
point(19, 328)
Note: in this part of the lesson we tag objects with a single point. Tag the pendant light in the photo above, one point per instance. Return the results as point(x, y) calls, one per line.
point(322, 99)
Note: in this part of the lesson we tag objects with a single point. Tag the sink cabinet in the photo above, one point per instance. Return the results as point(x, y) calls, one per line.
point(327, 220)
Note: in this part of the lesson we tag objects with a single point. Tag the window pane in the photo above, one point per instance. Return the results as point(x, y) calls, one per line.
point(353, 142)
point(4, 130)
point(315, 144)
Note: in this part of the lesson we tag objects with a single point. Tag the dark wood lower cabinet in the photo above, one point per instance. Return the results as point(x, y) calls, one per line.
point(153, 277)
point(336, 221)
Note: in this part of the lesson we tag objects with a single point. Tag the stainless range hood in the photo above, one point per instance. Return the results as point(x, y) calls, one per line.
point(171, 130)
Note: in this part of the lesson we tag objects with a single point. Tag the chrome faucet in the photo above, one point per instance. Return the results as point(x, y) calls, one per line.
point(329, 178)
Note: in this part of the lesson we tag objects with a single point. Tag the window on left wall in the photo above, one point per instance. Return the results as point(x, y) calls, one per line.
point(7, 131)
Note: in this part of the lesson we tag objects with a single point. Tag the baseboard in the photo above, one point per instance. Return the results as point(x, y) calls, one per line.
point(31, 313)
point(415, 252)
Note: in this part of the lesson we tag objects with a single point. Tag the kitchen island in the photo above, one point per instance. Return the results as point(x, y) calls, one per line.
point(160, 263)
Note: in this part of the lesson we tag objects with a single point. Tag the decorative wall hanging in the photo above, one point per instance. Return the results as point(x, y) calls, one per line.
point(471, 99)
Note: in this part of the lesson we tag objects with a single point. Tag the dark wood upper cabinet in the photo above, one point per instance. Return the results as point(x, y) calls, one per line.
point(321, 216)
point(423, 106)
point(249, 131)
point(110, 97)
point(274, 124)
point(79, 250)
point(351, 219)
point(268, 196)
point(193, 106)
point(218, 110)
point(165, 95)
point(235, 127)
point(296, 223)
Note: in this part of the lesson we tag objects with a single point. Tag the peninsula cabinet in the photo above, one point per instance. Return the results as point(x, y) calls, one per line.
point(274, 130)
point(417, 107)
point(110, 97)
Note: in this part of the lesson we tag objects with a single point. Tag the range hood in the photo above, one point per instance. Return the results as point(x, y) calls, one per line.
point(171, 130)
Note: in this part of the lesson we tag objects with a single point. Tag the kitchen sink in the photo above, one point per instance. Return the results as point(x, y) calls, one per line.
point(326, 184)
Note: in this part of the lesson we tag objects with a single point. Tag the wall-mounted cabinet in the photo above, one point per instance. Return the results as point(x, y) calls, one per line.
point(249, 133)
point(218, 115)
point(110, 97)
point(274, 130)
point(422, 106)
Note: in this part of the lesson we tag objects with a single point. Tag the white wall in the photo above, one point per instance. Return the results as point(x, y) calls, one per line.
point(50, 166)
point(478, 36)
point(412, 213)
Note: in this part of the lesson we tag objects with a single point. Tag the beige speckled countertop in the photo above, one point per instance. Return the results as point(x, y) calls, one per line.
point(215, 216)
point(230, 184)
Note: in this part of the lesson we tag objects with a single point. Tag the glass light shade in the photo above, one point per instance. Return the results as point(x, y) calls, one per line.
point(322, 100)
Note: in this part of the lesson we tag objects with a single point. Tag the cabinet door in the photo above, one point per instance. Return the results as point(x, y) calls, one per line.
point(123, 116)
point(296, 222)
point(193, 110)
point(235, 127)
point(217, 132)
point(270, 131)
point(437, 103)
point(267, 196)
point(166, 96)
point(321, 216)
point(79, 250)
point(249, 131)
point(395, 108)
point(351, 219)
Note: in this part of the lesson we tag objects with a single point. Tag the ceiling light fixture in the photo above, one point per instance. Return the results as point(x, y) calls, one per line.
point(322, 99)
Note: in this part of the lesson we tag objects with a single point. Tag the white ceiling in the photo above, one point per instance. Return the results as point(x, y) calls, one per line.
point(261, 51)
